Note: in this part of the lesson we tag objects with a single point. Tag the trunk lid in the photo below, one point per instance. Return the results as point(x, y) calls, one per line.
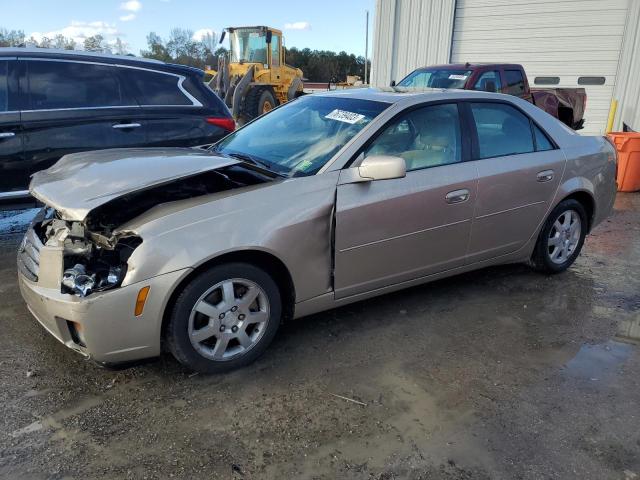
point(80, 182)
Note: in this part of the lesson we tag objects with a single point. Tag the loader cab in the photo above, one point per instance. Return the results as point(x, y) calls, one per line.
point(261, 45)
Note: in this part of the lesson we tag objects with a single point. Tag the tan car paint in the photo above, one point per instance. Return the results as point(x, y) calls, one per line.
point(389, 234)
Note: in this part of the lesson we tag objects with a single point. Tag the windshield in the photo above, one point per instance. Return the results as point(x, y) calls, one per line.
point(436, 78)
point(248, 45)
point(300, 137)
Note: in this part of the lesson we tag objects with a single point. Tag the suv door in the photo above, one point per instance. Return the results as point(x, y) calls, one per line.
point(519, 169)
point(174, 117)
point(11, 154)
point(75, 106)
point(392, 231)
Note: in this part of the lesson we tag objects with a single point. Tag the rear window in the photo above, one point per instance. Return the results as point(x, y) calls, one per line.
point(515, 82)
point(502, 130)
point(57, 84)
point(542, 141)
point(157, 88)
point(4, 93)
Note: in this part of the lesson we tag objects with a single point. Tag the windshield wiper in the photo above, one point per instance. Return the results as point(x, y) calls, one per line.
point(252, 160)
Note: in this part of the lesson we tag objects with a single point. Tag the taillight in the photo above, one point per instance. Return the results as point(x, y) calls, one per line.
point(225, 123)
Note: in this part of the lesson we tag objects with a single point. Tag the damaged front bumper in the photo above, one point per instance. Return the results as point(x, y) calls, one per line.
point(102, 325)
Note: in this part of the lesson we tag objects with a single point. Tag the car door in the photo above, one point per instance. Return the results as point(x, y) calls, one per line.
point(391, 231)
point(74, 106)
point(174, 117)
point(519, 168)
point(11, 154)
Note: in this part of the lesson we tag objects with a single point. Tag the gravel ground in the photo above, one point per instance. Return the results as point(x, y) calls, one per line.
point(496, 374)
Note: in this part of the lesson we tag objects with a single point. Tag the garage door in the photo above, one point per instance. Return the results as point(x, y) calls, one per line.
point(563, 43)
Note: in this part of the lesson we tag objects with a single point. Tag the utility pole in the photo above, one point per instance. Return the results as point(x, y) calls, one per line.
point(366, 46)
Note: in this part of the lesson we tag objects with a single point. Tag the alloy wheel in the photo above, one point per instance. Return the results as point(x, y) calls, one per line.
point(228, 319)
point(564, 236)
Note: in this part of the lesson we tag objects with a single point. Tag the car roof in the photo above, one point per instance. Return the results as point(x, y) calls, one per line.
point(81, 55)
point(470, 66)
point(398, 95)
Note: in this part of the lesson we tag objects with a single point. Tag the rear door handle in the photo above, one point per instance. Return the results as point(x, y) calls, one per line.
point(545, 176)
point(7, 134)
point(457, 196)
point(126, 125)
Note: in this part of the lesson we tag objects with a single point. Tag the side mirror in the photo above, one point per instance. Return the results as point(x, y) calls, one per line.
point(224, 32)
point(269, 36)
point(393, 83)
point(382, 167)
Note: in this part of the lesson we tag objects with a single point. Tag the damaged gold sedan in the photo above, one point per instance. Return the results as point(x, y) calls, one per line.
point(326, 200)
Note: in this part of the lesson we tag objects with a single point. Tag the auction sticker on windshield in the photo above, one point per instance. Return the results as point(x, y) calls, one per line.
point(457, 77)
point(344, 116)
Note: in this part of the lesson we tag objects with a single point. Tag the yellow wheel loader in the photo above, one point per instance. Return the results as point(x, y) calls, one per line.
point(255, 79)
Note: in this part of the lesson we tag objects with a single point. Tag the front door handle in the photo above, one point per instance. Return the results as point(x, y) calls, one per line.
point(126, 125)
point(545, 176)
point(7, 135)
point(457, 196)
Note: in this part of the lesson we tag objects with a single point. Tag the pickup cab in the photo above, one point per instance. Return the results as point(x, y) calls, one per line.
point(566, 104)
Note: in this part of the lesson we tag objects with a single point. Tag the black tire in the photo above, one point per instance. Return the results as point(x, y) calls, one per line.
point(177, 332)
point(256, 100)
point(541, 258)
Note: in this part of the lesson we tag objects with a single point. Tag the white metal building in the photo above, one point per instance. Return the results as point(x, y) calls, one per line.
point(593, 44)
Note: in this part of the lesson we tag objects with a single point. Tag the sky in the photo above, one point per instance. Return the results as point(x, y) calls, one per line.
point(325, 25)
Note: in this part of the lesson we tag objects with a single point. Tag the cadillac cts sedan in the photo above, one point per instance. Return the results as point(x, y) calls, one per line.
point(327, 200)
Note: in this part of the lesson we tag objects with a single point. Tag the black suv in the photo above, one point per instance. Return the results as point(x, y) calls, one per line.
point(56, 102)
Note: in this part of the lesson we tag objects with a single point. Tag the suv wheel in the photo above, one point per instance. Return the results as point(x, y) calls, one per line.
point(224, 318)
point(561, 238)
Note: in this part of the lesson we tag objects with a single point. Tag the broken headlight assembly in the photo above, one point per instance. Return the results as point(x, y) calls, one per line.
point(93, 262)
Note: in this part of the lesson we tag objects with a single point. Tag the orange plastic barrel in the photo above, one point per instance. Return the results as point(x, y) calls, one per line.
point(628, 147)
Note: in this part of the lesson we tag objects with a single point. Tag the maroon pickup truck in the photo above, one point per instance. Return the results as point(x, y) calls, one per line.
point(566, 104)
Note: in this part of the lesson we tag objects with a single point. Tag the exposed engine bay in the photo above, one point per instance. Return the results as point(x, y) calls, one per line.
point(96, 251)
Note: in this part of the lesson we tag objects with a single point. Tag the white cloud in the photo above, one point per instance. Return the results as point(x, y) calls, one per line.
point(198, 35)
point(131, 6)
point(128, 17)
point(297, 26)
point(78, 31)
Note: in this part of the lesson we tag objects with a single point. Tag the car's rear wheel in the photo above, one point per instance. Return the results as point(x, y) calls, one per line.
point(224, 318)
point(561, 238)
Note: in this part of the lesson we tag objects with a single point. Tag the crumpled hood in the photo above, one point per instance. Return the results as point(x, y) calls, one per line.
point(80, 182)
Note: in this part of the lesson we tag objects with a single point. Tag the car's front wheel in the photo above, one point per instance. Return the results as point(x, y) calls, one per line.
point(224, 318)
point(561, 238)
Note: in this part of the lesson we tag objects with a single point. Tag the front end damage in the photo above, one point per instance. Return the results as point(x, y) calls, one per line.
point(92, 260)
point(75, 258)
point(93, 250)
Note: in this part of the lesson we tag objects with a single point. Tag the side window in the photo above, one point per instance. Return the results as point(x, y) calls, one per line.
point(502, 130)
point(4, 88)
point(542, 141)
point(515, 82)
point(275, 51)
point(156, 88)
point(489, 82)
point(55, 85)
point(425, 137)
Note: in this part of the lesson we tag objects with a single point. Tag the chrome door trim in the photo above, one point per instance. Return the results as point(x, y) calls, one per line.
point(181, 78)
point(125, 125)
point(15, 194)
point(7, 135)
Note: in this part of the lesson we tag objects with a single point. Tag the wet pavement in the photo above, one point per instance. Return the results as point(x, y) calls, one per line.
point(502, 373)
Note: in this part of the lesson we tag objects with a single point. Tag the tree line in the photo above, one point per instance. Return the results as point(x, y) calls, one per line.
point(181, 47)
